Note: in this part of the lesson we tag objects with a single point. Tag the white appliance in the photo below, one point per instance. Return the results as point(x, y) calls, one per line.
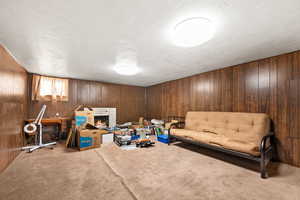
point(107, 138)
point(106, 114)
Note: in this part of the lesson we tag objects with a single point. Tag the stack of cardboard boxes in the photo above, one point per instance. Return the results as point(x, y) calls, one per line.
point(88, 136)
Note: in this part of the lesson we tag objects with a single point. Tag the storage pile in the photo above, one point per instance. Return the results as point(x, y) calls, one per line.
point(83, 133)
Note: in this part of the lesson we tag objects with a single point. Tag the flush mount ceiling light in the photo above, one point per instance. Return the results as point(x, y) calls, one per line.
point(126, 59)
point(127, 70)
point(193, 32)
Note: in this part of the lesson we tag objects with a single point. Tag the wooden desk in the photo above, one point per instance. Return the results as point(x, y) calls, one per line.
point(60, 122)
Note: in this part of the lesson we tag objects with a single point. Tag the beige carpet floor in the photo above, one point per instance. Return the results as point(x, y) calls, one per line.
point(161, 172)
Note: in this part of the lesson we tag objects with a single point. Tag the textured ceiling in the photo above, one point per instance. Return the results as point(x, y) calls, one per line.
point(82, 39)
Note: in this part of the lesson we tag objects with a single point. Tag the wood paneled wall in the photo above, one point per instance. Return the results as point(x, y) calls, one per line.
point(13, 107)
point(269, 86)
point(129, 100)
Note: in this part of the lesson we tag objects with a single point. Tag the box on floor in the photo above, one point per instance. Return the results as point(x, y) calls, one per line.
point(89, 138)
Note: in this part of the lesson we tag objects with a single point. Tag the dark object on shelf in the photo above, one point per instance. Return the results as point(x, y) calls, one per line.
point(144, 143)
point(90, 126)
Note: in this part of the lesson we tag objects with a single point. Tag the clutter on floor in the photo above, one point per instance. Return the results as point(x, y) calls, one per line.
point(162, 129)
point(125, 125)
point(86, 133)
point(140, 137)
point(122, 139)
point(157, 122)
point(83, 133)
point(162, 134)
point(144, 142)
point(89, 137)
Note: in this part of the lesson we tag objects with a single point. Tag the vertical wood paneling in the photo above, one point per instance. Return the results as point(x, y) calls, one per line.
point(96, 90)
point(193, 93)
point(132, 103)
point(264, 86)
point(165, 103)
point(83, 91)
point(154, 102)
point(73, 100)
point(293, 101)
point(296, 152)
point(267, 86)
point(296, 65)
point(241, 92)
point(13, 107)
point(235, 89)
point(216, 91)
point(273, 93)
point(128, 100)
point(283, 74)
point(186, 97)
point(226, 89)
point(251, 87)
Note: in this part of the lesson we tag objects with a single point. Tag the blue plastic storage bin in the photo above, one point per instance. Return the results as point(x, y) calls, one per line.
point(163, 138)
point(135, 137)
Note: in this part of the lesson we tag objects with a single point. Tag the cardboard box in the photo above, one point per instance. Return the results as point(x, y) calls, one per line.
point(89, 138)
point(83, 116)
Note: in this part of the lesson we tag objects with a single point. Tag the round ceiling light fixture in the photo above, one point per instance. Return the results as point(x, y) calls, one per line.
point(126, 69)
point(193, 32)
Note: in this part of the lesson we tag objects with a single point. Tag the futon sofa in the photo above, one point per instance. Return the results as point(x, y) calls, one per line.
point(241, 134)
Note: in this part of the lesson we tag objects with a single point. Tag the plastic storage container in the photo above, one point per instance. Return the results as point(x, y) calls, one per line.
point(163, 138)
point(135, 137)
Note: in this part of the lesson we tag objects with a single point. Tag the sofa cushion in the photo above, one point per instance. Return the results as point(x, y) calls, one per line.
point(189, 134)
point(241, 146)
point(236, 131)
point(204, 137)
point(246, 127)
point(218, 140)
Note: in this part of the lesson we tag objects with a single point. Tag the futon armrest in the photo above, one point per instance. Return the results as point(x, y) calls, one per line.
point(264, 142)
point(177, 125)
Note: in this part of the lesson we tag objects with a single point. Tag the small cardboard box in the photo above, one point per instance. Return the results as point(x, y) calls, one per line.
point(88, 138)
point(82, 117)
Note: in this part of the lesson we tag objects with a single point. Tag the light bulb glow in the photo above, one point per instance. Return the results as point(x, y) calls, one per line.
point(193, 32)
point(127, 70)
